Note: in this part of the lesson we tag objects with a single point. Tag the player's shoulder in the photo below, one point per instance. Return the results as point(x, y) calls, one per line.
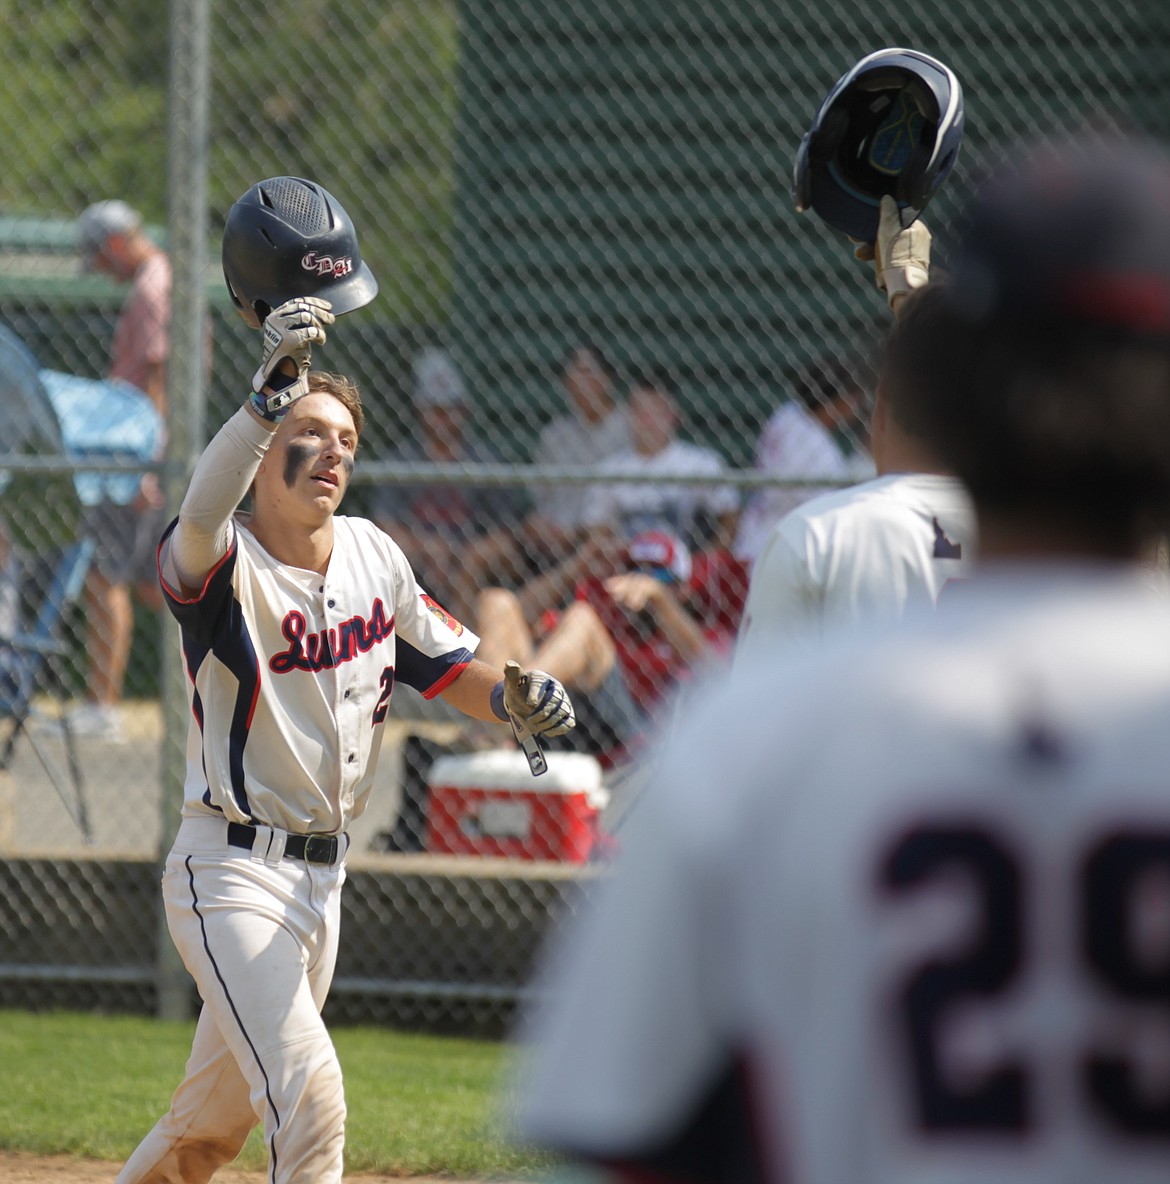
point(362, 537)
point(719, 759)
point(937, 681)
point(880, 500)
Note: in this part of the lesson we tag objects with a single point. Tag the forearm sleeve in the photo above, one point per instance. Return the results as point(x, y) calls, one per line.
point(222, 477)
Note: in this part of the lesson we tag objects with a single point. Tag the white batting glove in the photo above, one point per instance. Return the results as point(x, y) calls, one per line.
point(901, 255)
point(290, 332)
point(538, 700)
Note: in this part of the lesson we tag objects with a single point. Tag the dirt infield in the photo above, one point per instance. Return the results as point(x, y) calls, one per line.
point(18, 1168)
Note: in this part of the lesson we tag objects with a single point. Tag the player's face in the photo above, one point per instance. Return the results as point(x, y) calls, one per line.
point(309, 463)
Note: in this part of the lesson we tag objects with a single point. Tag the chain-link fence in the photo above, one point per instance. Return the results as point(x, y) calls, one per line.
point(589, 268)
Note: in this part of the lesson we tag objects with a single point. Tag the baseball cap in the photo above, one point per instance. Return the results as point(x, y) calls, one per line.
point(98, 222)
point(662, 551)
point(1077, 231)
point(437, 381)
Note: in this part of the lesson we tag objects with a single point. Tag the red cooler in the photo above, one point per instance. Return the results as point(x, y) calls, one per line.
point(488, 803)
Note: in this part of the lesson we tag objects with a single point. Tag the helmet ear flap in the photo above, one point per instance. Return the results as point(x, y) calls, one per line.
point(232, 292)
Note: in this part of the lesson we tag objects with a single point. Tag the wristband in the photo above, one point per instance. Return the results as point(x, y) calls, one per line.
point(264, 405)
point(497, 702)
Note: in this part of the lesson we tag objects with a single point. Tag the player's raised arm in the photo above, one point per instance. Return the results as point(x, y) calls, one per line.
point(225, 471)
point(900, 254)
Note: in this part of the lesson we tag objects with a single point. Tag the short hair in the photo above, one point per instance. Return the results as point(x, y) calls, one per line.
point(825, 379)
point(344, 390)
point(1040, 375)
point(1037, 420)
point(917, 315)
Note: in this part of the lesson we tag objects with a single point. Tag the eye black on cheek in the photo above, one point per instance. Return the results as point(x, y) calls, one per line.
point(298, 457)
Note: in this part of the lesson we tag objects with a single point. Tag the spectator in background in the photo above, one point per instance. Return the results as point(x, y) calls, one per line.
point(624, 644)
point(613, 511)
point(112, 241)
point(806, 436)
point(693, 512)
point(596, 426)
point(457, 537)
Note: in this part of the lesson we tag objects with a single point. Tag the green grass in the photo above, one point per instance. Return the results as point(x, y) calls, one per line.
point(93, 1085)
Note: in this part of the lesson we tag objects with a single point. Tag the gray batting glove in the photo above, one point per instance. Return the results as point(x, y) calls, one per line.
point(290, 332)
point(901, 258)
point(538, 700)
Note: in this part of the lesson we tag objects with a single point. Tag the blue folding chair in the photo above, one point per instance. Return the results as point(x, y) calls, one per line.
point(26, 670)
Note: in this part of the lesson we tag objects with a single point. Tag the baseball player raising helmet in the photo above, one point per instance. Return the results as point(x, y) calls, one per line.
point(296, 624)
point(896, 910)
point(875, 550)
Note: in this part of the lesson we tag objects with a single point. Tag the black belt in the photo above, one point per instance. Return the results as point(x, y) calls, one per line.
point(308, 848)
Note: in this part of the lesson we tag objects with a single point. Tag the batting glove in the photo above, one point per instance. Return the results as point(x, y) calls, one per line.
point(290, 332)
point(537, 700)
point(901, 255)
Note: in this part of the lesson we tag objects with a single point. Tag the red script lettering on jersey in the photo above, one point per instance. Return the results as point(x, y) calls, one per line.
point(330, 647)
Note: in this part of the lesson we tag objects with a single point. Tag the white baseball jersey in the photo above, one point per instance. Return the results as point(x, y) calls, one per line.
point(914, 928)
point(861, 554)
point(291, 674)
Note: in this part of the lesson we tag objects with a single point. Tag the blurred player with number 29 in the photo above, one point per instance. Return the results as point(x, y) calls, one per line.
point(894, 910)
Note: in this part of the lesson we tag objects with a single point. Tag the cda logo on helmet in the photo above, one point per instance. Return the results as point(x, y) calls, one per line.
point(327, 265)
point(288, 237)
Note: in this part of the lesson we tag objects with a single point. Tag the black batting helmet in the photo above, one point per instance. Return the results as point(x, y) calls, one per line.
point(288, 237)
point(892, 125)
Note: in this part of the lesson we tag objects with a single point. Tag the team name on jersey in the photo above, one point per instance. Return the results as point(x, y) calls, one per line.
point(330, 647)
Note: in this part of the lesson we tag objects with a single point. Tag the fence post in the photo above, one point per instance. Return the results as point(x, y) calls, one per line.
point(187, 396)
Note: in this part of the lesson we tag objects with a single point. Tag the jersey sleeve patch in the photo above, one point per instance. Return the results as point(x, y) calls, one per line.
point(437, 610)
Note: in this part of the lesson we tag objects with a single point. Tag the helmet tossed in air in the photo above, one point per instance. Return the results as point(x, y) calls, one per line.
point(893, 125)
point(287, 237)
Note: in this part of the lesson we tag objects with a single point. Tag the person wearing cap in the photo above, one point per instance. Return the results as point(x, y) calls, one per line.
point(624, 644)
point(458, 537)
point(895, 909)
point(112, 241)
